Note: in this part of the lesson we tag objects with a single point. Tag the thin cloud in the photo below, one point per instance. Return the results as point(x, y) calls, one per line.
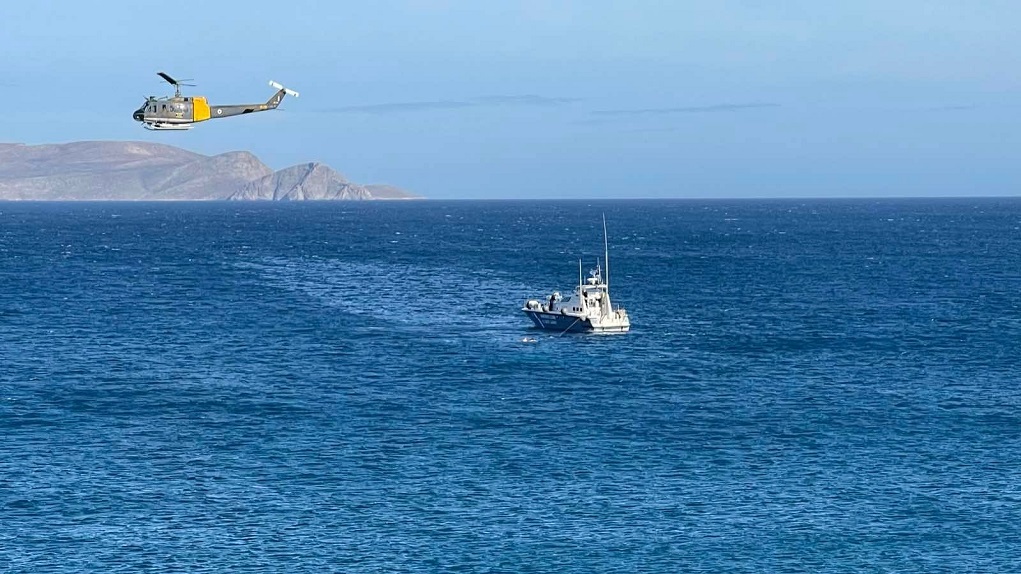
point(959, 108)
point(715, 108)
point(398, 107)
point(429, 106)
point(527, 100)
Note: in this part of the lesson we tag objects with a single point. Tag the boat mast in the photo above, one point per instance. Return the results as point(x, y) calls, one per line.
point(606, 257)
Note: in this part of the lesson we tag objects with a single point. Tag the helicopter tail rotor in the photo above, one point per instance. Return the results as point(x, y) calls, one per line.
point(287, 91)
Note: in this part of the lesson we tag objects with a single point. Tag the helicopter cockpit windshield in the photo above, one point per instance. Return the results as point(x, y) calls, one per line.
point(139, 114)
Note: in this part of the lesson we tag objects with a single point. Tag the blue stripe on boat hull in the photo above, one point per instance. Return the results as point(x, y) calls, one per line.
point(559, 322)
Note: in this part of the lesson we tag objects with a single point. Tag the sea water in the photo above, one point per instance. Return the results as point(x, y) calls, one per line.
point(808, 386)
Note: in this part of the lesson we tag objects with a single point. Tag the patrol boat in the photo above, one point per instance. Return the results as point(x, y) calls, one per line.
point(588, 310)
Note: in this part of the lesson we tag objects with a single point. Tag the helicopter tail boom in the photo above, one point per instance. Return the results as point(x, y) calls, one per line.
point(278, 97)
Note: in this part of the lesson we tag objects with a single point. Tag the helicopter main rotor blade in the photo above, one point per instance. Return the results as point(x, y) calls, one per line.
point(170, 80)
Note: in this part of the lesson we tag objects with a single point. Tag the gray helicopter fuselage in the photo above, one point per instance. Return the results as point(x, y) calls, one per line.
point(179, 112)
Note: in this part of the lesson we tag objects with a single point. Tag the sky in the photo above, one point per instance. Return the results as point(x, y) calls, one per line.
point(559, 100)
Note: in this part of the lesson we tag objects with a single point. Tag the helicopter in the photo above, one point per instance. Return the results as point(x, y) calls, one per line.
point(179, 112)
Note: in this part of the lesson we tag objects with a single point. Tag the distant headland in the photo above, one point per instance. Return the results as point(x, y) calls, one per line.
point(141, 171)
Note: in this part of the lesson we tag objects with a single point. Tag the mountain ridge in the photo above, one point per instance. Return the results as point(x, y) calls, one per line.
point(311, 180)
point(144, 171)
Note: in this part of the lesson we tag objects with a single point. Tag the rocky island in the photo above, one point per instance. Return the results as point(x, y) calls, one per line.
point(142, 171)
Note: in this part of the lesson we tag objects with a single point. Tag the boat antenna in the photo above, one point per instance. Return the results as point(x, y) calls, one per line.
point(580, 280)
point(606, 256)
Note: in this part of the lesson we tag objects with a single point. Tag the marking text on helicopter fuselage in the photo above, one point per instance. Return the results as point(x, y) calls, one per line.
point(179, 112)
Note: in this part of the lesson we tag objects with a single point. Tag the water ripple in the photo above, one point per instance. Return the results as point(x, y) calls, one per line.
point(809, 386)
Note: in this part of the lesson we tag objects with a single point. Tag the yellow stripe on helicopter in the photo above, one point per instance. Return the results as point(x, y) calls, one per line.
point(201, 107)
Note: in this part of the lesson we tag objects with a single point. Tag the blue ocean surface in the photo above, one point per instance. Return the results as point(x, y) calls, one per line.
point(808, 386)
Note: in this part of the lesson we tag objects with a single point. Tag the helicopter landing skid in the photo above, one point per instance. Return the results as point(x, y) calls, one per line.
point(160, 126)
